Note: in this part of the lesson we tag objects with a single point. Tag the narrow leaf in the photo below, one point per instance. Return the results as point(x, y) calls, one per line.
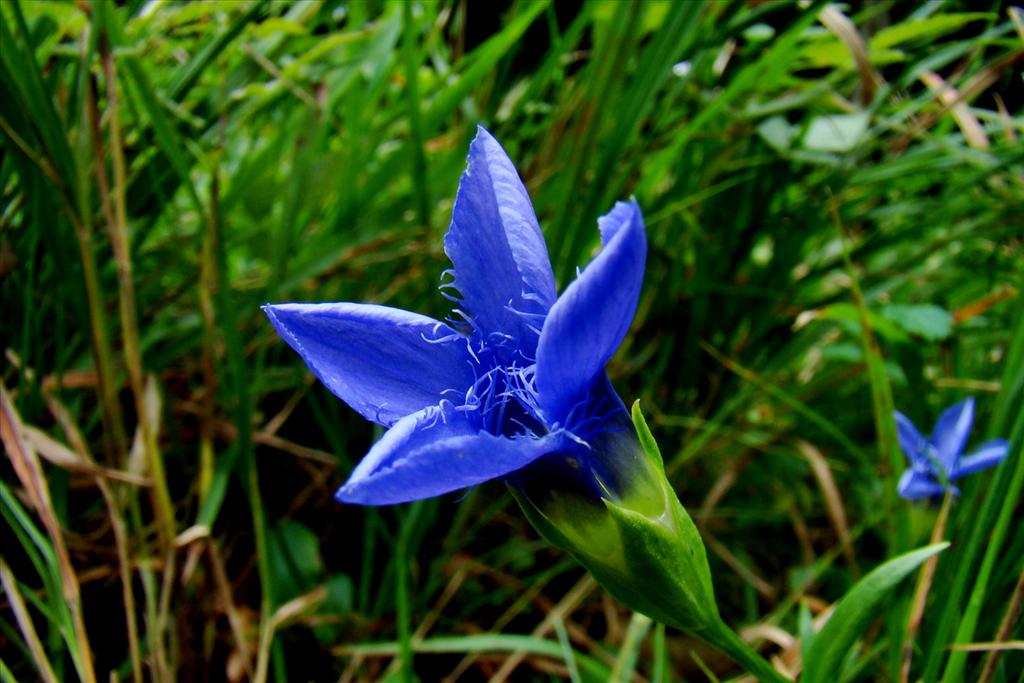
point(855, 612)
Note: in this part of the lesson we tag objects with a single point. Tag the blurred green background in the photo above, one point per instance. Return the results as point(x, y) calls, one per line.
point(834, 202)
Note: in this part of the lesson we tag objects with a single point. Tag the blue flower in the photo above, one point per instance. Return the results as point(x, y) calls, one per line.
point(939, 460)
point(512, 386)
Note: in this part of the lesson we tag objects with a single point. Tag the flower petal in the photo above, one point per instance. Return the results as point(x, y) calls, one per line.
point(494, 242)
point(915, 486)
point(384, 362)
point(951, 432)
point(435, 451)
point(911, 442)
point(989, 454)
point(587, 323)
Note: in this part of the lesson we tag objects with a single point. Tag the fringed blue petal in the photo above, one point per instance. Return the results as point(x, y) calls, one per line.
point(384, 362)
point(436, 451)
point(590, 319)
point(502, 271)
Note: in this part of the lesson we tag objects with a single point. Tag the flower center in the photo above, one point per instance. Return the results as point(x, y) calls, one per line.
point(503, 397)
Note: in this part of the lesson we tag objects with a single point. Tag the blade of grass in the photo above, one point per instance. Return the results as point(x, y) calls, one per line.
point(29, 470)
point(191, 71)
point(402, 600)
point(1005, 631)
point(673, 39)
point(878, 377)
point(885, 426)
point(768, 68)
point(410, 34)
point(26, 74)
point(482, 62)
point(625, 663)
point(55, 162)
point(606, 75)
point(788, 400)
point(1006, 506)
point(484, 643)
point(924, 584)
point(567, 653)
point(119, 239)
point(995, 510)
point(569, 602)
point(24, 619)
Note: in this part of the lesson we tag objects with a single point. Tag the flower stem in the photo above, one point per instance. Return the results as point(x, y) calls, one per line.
point(924, 583)
point(725, 639)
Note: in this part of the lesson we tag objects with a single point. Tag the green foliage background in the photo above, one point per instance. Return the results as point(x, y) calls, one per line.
point(833, 197)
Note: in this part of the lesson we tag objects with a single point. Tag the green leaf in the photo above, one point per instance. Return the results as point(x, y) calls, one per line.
point(339, 594)
point(879, 324)
point(295, 561)
point(923, 29)
point(777, 133)
point(855, 611)
point(836, 132)
point(925, 320)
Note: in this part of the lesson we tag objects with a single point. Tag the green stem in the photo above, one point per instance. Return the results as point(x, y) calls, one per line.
point(924, 584)
point(725, 639)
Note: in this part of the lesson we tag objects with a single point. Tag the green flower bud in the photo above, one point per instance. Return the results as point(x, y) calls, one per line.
point(635, 537)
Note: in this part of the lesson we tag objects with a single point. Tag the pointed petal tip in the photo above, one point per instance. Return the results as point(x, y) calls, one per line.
point(280, 313)
point(341, 496)
point(625, 215)
point(350, 494)
point(481, 131)
point(484, 138)
point(499, 257)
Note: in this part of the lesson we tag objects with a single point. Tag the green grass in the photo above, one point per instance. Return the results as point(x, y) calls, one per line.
point(826, 242)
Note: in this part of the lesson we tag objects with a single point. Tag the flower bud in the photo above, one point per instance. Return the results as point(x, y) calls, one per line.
point(634, 537)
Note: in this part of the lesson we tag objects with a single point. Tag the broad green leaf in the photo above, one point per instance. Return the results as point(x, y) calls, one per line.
point(295, 562)
point(836, 132)
point(777, 133)
point(339, 594)
point(855, 611)
point(848, 313)
point(926, 320)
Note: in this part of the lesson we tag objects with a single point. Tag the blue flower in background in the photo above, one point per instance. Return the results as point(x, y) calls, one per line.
point(939, 460)
point(513, 384)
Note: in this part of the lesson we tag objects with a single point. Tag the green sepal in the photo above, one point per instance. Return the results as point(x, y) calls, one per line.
point(647, 442)
point(667, 575)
